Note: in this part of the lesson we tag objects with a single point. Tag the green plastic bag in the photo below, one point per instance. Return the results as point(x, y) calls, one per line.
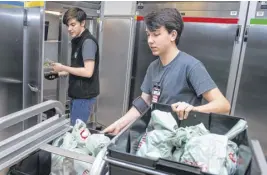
point(183, 135)
point(156, 142)
point(96, 142)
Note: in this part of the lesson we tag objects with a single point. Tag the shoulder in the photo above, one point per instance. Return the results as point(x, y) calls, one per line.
point(89, 41)
point(188, 61)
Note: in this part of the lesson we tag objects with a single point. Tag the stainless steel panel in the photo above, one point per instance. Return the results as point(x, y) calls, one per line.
point(90, 5)
point(114, 67)
point(60, 7)
point(213, 45)
point(51, 52)
point(33, 60)
point(195, 8)
point(230, 93)
point(251, 100)
point(11, 34)
point(261, 11)
point(64, 58)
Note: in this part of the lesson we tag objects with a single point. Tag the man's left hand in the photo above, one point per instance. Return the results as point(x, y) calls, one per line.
point(57, 67)
point(182, 109)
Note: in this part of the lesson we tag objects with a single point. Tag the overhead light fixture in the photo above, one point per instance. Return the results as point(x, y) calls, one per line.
point(53, 12)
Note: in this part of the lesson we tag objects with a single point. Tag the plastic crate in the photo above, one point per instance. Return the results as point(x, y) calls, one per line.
point(39, 162)
point(125, 146)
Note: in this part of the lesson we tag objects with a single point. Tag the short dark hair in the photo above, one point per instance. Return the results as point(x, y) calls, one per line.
point(75, 13)
point(170, 18)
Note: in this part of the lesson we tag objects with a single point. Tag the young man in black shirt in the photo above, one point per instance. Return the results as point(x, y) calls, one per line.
point(83, 72)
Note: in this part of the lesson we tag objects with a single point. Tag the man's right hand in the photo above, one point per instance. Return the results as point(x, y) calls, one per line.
point(63, 74)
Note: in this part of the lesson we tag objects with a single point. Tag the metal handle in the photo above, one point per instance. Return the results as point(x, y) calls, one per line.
point(67, 153)
point(32, 111)
point(237, 35)
point(246, 34)
point(33, 88)
point(133, 167)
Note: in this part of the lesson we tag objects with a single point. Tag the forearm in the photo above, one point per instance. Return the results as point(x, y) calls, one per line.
point(78, 71)
point(216, 106)
point(131, 115)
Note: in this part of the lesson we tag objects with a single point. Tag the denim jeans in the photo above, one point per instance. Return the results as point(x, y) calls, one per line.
point(81, 109)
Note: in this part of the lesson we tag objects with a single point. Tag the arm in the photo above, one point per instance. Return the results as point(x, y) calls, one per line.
point(89, 49)
point(133, 113)
point(217, 103)
point(130, 116)
point(86, 71)
point(203, 85)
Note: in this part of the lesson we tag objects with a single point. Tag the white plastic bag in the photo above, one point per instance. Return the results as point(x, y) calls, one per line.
point(80, 132)
point(80, 167)
point(183, 135)
point(162, 121)
point(207, 152)
point(231, 158)
point(96, 142)
point(75, 142)
point(68, 142)
point(155, 143)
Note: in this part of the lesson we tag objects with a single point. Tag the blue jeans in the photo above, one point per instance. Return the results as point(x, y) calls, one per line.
point(81, 109)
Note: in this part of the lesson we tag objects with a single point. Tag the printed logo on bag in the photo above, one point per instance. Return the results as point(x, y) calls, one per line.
point(85, 172)
point(84, 134)
point(232, 157)
point(142, 141)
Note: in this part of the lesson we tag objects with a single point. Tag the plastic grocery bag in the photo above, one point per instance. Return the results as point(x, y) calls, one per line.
point(68, 142)
point(183, 135)
point(156, 143)
point(231, 158)
point(80, 167)
point(75, 141)
point(80, 132)
point(207, 152)
point(155, 147)
point(96, 142)
point(162, 121)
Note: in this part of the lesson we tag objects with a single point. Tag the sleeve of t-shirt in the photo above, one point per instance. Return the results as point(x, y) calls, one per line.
point(146, 85)
point(89, 50)
point(200, 79)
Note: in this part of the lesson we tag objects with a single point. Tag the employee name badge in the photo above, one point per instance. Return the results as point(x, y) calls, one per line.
point(155, 94)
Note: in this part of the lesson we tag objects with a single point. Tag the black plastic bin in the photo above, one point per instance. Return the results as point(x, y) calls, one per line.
point(124, 148)
point(39, 162)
